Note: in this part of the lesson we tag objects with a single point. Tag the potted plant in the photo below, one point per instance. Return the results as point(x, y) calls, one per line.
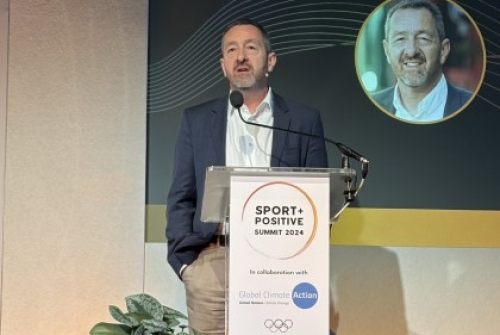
point(145, 316)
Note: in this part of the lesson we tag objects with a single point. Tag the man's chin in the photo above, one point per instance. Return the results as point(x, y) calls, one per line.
point(244, 86)
point(413, 81)
point(244, 83)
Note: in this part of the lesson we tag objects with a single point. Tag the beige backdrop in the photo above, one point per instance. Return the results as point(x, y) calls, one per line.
point(4, 25)
point(75, 163)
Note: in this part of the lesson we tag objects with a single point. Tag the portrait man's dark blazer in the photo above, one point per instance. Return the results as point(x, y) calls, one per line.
point(202, 143)
point(457, 97)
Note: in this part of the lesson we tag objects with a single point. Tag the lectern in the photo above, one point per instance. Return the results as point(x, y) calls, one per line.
point(277, 227)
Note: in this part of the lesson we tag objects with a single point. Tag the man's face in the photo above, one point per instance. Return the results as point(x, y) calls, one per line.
point(413, 49)
point(245, 61)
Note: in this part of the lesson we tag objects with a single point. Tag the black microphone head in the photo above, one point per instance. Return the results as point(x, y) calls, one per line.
point(236, 99)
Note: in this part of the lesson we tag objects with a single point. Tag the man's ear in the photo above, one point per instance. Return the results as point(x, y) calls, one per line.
point(384, 45)
point(222, 66)
point(271, 61)
point(445, 50)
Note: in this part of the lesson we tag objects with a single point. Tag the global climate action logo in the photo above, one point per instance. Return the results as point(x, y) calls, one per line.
point(305, 295)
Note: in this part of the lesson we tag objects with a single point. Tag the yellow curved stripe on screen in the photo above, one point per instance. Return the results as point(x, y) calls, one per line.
point(417, 227)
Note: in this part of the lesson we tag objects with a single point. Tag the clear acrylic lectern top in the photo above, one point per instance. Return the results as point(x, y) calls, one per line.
point(217, 186)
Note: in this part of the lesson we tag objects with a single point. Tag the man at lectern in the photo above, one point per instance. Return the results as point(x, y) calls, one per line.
point(212, 134)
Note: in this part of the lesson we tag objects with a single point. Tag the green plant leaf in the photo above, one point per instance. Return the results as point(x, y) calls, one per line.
point(103, 328)
point(140, 316)
point(173, 312)
point(145, 316)
point(144, 303)
point(156, 326)
point(139, 331)
point(119, 316)
point(172, 321)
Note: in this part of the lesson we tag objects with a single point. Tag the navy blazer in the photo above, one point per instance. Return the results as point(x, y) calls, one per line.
point(202, 143)
point(457, 97)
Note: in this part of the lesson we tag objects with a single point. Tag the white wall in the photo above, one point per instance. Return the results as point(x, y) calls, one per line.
point(75, 163)
point(418, 291)
point(4, 32)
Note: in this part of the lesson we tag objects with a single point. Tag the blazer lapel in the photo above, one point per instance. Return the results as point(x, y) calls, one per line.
point(218, 120)
point(281, 120)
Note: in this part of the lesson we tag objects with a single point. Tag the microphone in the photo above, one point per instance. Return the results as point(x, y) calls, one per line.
point(236, 99)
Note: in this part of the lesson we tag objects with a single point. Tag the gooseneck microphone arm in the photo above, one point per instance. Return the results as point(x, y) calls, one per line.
point(236, 99)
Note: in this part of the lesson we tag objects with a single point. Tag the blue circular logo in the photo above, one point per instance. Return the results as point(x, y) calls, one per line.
point(305, 295)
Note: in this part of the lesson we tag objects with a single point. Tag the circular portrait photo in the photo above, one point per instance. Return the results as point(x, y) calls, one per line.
point(420, 61)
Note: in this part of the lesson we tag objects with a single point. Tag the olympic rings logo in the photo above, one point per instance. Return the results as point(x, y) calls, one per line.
point(278, 325)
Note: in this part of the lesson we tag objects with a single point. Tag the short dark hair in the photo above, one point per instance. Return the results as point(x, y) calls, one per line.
point(244, 22)
point(418, 4)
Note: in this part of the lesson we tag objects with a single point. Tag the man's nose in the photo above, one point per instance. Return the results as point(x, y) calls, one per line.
point(411, 48)
point(241, 56)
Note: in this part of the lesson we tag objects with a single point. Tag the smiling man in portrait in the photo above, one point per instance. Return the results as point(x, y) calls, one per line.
point(416, 48)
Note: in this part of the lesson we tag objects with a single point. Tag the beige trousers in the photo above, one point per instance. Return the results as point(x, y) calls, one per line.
point(205, 283)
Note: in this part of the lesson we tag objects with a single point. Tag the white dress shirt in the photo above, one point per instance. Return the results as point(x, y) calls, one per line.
point(249, 145)
point(431, 108)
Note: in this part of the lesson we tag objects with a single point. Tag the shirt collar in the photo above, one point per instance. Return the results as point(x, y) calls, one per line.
point(430, 108)
point(265, 105)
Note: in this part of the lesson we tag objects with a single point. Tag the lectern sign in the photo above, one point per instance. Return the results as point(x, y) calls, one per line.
point(283, 228)
point(279, 254)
